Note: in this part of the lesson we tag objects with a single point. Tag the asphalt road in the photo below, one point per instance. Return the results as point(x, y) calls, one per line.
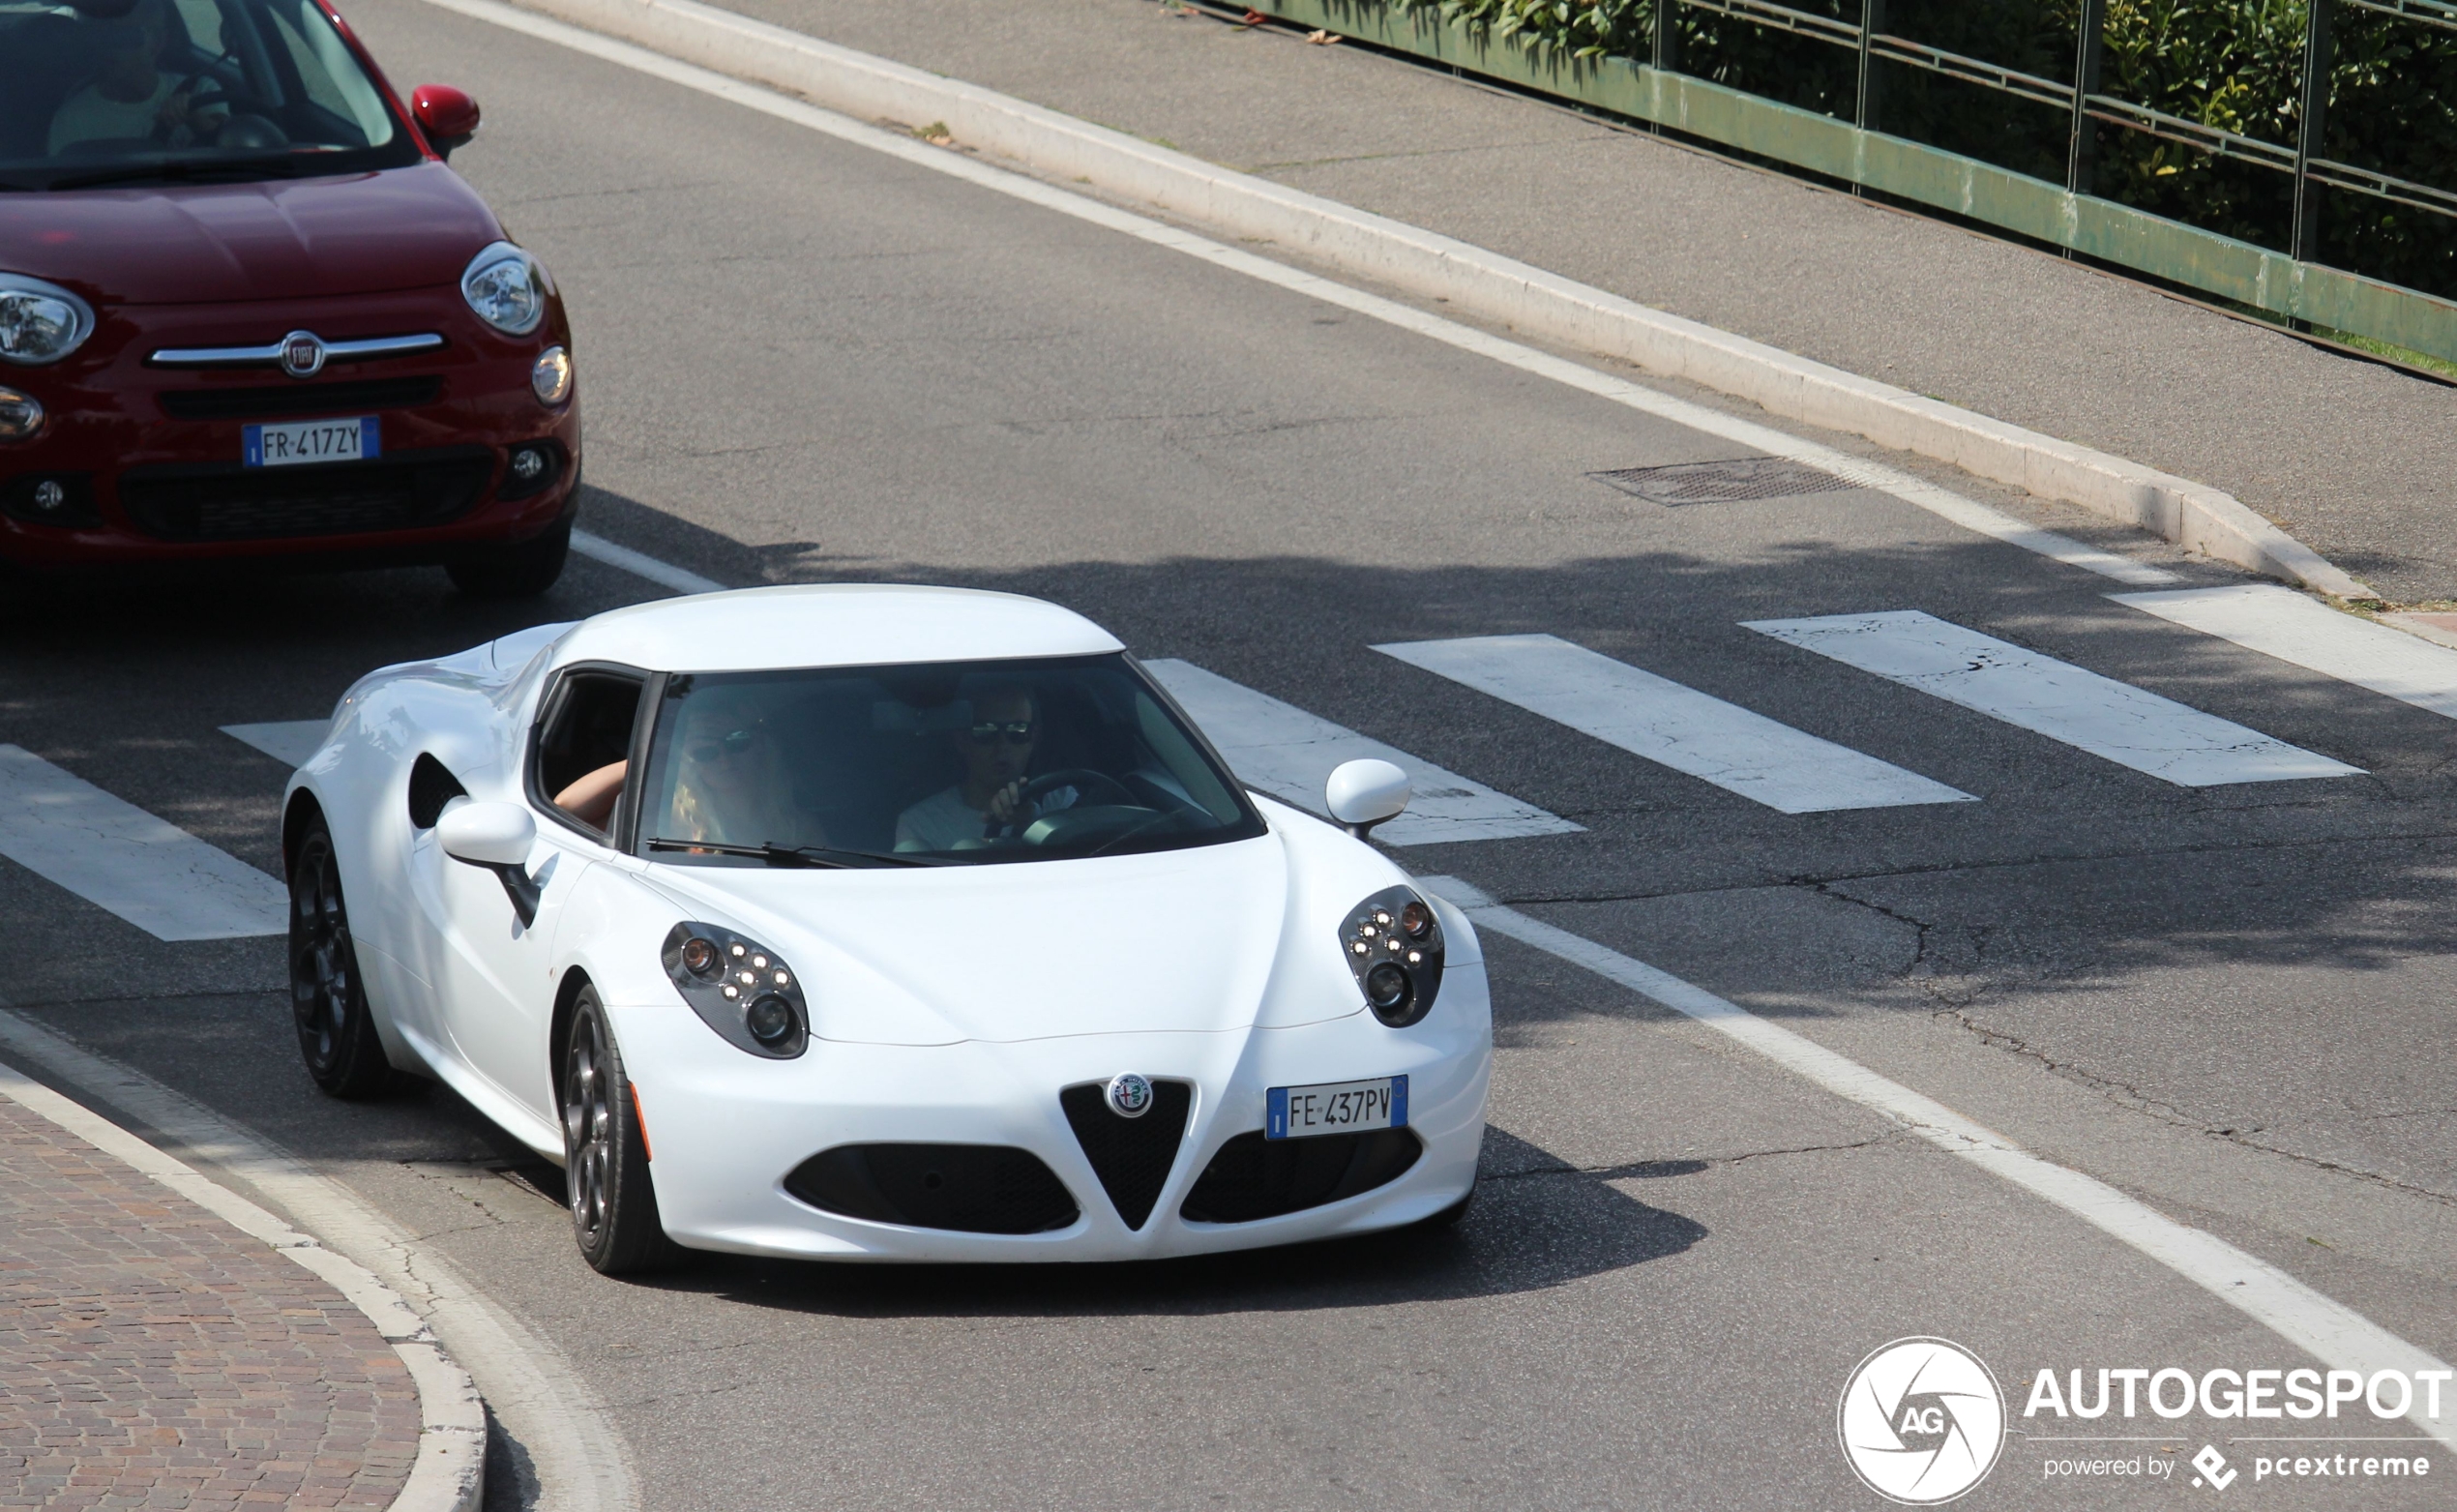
point(802, 360)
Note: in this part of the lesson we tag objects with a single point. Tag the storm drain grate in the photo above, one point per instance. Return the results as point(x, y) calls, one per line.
point(1717, 483)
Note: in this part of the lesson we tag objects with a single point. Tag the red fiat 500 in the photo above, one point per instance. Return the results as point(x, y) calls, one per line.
point(246, 311)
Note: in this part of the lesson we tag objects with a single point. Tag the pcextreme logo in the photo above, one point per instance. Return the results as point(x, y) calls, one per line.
point(1921, 1421)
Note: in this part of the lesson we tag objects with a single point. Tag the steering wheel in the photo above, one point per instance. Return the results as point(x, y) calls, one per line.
point(1079, 778)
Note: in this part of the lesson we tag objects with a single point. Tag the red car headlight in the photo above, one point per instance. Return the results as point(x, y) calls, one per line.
point(40, 322)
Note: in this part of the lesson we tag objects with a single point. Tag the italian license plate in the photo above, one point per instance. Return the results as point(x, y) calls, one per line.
point(1336, 1107)
point(294, 441)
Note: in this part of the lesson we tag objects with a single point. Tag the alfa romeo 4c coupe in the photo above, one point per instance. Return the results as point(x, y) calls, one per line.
point(245, 309)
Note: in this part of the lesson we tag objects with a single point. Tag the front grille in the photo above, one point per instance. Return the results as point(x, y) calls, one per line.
point(969, 1188)
point(1132, 1156)
point(403, 491)
point(1254, 1177)
point(265, 400)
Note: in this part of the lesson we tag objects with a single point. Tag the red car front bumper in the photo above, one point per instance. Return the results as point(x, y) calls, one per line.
point(147, 459)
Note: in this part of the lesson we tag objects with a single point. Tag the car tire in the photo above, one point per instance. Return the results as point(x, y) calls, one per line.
point(613, 1203)
point(328, 1000)
point(522, 569)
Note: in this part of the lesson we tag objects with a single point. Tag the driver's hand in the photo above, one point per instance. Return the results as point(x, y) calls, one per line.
point(1003, 803)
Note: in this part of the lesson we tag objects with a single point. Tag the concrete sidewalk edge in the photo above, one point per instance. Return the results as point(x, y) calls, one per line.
point(1471, 279)
point(449, 1475)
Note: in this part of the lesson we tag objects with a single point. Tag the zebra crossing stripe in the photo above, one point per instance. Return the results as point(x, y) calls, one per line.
point(2283, 623)
point(1288, 754)
point(117, 856)
point(1673, 725)
point(289, 742)
point(2127, 725)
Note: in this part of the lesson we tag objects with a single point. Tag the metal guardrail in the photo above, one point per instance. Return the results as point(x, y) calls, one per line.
point(2289, 284)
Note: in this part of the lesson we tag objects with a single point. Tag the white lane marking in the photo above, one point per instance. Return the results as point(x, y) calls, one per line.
point(663, 574)
point(449, 1471)
point(2326, 1330)
point(1675, 726)
point(148, 871)
point(287, 741)
point(1969, 514)
point(543, 1404)
point(2127, 725)
point(1288, 752)
point(2283, 623)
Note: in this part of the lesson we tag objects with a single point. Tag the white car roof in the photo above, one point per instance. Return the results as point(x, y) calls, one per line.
point(831, 625)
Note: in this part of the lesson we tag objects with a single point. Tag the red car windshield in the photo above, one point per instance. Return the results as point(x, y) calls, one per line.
point(96, 92)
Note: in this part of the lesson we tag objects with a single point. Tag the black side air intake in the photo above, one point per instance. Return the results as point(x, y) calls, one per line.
point(1132, 1156)
point(1254, 1177)
point(968, 1187)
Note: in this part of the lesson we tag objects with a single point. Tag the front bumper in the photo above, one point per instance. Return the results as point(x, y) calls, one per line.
point(726, 1130)
point(146, 460)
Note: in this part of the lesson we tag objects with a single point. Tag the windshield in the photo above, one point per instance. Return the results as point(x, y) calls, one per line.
point(131, 91)
point(930, 763)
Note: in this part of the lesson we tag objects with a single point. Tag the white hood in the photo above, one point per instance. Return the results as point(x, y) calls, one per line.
point(1171, 941)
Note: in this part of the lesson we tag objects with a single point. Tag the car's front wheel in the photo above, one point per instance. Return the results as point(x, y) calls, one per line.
point(605, 1152)
point(337, 1030)
point(522, 569)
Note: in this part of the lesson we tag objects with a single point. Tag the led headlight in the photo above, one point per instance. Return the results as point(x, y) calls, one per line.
point(1393, 945)
point(550, 377)
point(507, 288)
point(740, 989)
point(40, 322)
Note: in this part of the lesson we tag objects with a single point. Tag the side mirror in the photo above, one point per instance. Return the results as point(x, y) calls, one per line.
point(497, 837)
point(1362, 794)
point(448, 116)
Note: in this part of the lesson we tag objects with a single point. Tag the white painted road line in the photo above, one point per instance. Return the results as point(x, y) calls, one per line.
point(2127, 725)
point(1673, 725)
point(148, 871)
point(663, 574)
point(2283, 623)
point(1969, 514)
point(2328, 1330)
point(1288, 754)
point(287, 741)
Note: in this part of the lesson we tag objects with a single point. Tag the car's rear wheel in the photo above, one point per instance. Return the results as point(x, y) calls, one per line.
point(337, 1030)
point(522, 569)
point(605, 1152)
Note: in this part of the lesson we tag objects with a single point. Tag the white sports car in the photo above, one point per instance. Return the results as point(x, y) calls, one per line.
point(879, 923)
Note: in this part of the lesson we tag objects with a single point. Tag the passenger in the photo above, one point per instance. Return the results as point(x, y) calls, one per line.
point(731, 784)
point(591, 798)
point(997, 753)
point(133, 97)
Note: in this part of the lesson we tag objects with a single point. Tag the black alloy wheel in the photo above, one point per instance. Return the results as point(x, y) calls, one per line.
point(605, 1154)
point(337, 1031)
point(522, 569)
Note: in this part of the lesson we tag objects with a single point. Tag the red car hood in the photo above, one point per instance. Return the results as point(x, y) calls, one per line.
point(399, 228)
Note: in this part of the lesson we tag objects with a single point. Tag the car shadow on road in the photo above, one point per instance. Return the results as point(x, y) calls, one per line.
point(1537, 1222)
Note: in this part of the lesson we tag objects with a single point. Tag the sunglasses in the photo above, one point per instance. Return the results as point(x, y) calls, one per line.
point(723, 747)
point(1017, 732)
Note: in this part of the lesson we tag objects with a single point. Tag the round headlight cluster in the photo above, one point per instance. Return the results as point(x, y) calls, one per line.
point(740, 989)
point(40, 322)
point(507, 288)
point(1393, 945)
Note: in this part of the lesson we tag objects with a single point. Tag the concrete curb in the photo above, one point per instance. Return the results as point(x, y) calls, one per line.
point(449, 1475)
point(1470, 278)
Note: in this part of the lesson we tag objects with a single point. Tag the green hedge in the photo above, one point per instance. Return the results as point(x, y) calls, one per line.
point(2237, 65)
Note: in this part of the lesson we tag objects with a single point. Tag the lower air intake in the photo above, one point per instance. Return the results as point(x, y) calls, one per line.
point(1254, 1177)
point(967, 1188)
point(1132, 1156)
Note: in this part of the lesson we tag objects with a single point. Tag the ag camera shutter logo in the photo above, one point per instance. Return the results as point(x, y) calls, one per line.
point(1921, 1421)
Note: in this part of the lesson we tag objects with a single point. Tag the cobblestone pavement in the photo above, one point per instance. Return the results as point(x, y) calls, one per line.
point(151, 1355)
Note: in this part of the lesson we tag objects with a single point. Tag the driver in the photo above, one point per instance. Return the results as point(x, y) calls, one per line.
point(996, 749)
point(131, 97)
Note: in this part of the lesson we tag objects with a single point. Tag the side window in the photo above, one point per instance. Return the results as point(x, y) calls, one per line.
point(585, 746)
